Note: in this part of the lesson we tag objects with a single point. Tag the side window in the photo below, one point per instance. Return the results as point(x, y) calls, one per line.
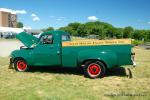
point(65, 38)
point(46, 39)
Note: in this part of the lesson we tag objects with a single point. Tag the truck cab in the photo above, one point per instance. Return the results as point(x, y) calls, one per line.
point(55, 48)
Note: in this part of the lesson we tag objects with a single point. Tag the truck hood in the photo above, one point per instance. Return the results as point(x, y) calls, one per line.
point(27, 39)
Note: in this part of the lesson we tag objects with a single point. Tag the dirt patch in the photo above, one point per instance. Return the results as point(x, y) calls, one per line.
point(6, 47)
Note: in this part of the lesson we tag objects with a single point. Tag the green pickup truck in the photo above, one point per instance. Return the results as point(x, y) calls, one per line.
point(55, 48)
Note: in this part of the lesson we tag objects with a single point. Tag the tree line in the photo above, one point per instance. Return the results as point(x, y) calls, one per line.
point(104, 31)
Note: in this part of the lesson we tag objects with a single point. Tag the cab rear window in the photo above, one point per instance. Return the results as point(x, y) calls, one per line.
point(65, 38)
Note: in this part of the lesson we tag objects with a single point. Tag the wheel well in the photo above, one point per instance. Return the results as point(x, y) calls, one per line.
point(18, 58)
point(95, 60)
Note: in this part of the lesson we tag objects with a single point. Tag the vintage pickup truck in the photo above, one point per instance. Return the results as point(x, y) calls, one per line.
point(55, 48)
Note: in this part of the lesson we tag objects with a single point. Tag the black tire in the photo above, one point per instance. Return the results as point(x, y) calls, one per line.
point(20, 65)
point(94, 69)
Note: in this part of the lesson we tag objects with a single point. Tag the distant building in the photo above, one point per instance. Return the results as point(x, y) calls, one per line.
point(8, 19)
point(8, 26)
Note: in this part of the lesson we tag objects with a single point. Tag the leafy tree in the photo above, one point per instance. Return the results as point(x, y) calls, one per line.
point(145, 35)
point(69, 30)
point(74, 25)
point(138, 35)
point(127, 32)
point(95, 28)
point(119, 33)
point(82, 30)
point(110, 31)
point(105, 30)
point(19, 25)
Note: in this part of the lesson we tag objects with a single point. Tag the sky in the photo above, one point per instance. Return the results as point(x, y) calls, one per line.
point(39, 14)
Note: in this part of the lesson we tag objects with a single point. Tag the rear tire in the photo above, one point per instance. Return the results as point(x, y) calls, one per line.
point(94, 69)
point(20, 65)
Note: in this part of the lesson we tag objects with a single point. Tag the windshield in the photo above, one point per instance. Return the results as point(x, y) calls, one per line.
point(46, 39)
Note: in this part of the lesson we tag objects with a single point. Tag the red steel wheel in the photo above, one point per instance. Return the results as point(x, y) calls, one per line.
point(94, 69)
point(21, 65)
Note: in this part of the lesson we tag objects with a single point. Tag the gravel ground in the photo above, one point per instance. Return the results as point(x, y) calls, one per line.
point(6, 47)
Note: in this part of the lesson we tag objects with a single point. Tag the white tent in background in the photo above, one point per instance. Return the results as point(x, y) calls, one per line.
point(8, 32)
point(12, 30)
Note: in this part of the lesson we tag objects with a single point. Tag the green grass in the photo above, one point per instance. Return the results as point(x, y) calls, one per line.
point(66, 85)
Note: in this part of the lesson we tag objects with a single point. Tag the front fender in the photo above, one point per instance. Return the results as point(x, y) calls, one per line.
point(24, 54)
point(107, 56)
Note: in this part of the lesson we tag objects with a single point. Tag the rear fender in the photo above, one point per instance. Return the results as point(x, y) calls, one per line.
point(107, 56)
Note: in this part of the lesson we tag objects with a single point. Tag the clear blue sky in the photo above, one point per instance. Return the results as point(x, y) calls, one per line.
point(58, 13)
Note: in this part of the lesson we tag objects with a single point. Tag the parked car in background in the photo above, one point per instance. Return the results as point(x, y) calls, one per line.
point(8, 35)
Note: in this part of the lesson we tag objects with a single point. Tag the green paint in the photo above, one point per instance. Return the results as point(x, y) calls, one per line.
point(27, 39)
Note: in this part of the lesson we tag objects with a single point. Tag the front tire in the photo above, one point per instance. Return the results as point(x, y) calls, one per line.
point(94, 69)
point(20, 65)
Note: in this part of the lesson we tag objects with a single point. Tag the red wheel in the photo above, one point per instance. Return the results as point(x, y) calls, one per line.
point(20, 65)
point(94, 69)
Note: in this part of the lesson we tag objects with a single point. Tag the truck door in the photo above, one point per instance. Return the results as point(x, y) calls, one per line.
point(47, 52)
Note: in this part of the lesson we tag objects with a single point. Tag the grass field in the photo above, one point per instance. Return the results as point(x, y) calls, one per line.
point(70, 84)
